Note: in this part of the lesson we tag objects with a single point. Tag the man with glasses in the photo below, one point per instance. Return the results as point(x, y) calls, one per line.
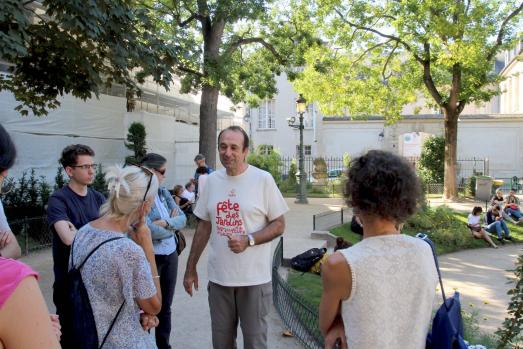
point(68, 209)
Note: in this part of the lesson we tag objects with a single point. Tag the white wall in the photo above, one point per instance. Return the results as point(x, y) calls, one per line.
point(512, 88)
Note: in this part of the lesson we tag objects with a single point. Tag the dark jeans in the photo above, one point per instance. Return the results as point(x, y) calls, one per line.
point(168, 270)
point(59, 299)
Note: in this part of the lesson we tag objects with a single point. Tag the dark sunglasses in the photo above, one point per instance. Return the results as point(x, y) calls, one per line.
point(162, 172)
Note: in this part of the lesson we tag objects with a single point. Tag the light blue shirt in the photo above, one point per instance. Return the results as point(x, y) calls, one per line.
point(165, 246)
point(164, 242)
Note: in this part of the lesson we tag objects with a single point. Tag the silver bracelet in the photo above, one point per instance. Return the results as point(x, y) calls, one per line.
point(156, 277)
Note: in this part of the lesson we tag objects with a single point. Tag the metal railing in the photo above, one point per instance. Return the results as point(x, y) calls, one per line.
point(297, 314)
point(465, 167)
point(32, 233)
point(330, 219)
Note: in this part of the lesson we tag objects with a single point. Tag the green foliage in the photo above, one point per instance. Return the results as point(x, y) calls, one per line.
point(59, 179)
point(32, 187)
point(510, 332)
point(379, 56)
point(99, 183)
point(472, 332)
point(378, 53)
point(346, 160)
point(431, 163)
point(307, 285)
point(293, 169)
point(44, 191)
point(136, 143)
point(232, 47)
point(290, 183)
point(74, 46)
point(446, 228)
point(269, 162)
point(26, 197)
point(470, 189)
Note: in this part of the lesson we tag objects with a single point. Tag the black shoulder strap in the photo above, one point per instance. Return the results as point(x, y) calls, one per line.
point(92, 251)
point(112, 323)
point(425, 238)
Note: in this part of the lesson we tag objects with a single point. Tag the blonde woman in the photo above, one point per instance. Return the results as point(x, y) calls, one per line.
point(121, 278)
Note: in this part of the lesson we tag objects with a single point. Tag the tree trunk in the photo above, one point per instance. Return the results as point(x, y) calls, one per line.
point(212, 39)
point(450, 190)
point(208, 123)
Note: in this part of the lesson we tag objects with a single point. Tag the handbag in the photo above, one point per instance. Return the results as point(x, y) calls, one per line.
point(447, 325)
point(180, 241)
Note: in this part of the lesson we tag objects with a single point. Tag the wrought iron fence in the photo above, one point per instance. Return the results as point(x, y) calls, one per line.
point(466, 168)
point(32, 233)
point(332, 163)
point(297, 314)
point(329, 219)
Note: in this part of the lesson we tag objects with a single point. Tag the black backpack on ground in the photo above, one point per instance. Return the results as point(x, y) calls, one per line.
point(304, 261)
point(80, 316)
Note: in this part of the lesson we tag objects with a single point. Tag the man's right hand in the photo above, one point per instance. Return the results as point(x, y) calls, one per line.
point(190, 279)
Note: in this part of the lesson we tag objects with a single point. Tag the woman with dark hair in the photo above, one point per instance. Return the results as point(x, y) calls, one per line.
point(164, 218)
point(20, 296)
point(379, 293)
point(475, 226)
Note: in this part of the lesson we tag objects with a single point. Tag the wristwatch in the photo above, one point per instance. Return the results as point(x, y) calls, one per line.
point(251, 240)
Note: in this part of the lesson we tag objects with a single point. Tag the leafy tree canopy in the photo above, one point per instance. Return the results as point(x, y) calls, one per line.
point(236, 46)
point(56, 47)
point(381, 55)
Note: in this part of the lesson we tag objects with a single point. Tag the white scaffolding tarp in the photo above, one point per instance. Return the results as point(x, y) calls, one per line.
point(102, 124)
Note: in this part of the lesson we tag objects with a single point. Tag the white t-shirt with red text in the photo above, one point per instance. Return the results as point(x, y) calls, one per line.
point(241, 204)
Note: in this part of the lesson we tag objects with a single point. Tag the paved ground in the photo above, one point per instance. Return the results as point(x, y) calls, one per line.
point(479, 275)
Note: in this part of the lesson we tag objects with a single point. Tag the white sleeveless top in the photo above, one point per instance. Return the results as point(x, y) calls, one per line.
point(394, 282)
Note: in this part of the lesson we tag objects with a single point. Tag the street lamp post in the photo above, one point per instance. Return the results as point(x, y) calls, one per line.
point(301, 196)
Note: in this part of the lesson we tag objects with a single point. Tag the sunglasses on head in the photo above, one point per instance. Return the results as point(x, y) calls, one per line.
point(147, 171)
point(151, 174)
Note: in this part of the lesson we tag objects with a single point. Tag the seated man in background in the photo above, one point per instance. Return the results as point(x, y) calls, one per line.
point(496, 224)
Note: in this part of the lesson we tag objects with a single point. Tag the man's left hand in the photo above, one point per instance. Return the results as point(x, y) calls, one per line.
point(238, 243)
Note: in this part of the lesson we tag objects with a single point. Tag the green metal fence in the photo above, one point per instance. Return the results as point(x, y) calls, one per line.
point(298, 315)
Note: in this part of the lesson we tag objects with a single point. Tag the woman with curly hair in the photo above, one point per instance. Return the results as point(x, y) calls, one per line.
point(379, 293)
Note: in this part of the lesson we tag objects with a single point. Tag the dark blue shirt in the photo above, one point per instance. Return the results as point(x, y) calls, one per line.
point(66, 205)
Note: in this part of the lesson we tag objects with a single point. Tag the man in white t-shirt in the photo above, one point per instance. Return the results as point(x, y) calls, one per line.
point(241, 212)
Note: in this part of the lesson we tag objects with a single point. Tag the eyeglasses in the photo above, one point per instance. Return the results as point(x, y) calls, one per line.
point(86, 166)
point(162, 172)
